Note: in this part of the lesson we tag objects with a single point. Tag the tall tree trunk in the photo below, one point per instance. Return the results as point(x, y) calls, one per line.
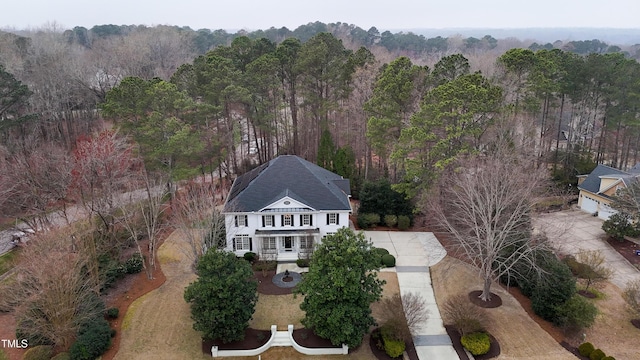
point(555, 156)
point(294, 116)
point(486, 290)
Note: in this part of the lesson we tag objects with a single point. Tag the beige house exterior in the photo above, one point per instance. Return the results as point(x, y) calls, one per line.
point(598, 188)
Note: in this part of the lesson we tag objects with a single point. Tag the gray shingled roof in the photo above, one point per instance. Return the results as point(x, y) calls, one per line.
point(592, 182)
point(288, 175)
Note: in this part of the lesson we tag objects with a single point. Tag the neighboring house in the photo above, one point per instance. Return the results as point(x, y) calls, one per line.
point(280, 209)
point(597, 188)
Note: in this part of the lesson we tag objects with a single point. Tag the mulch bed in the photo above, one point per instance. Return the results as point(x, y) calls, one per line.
point(252, 339)
point(494, 302)
point(573, 350)
point(455, 336)
point(587, 294)
point(380, 354)
point(627, 249)
point(307, 338)
point(267, 287)
point(255, 338)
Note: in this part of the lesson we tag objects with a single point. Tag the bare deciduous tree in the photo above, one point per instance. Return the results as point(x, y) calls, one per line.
point(39, 175)
point(409, 309)
point(631, 295)
point(197, 216)
point(50, 291)
point(103, 168)
point(486, 206)
point(462, 314)
point(147, 211)
point(594, 269)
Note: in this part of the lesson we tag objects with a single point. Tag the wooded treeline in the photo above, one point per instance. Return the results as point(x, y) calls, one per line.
point(197, 102)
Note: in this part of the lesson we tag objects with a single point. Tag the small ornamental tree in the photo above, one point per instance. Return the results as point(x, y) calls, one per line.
point(594, 269)
point(223, 298)
point(631, 295)
point(341, 285)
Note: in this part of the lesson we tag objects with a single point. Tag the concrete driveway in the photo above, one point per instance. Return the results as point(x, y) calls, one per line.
point(415, 252)
point(572, 231)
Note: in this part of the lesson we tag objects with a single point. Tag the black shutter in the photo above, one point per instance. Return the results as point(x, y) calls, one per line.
point(246, 220)
point(262, 220)
point(301, 222)
point(337, 219)
point(310, 220)
point(281, 220)
point(234, 244)
point(273, 220)
point(250, 244)
point(327, 219)
point(235, 218)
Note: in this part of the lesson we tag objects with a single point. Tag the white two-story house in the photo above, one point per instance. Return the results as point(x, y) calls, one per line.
point(280, 209)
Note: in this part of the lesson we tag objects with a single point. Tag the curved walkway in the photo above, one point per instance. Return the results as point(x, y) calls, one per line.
point(415, 252)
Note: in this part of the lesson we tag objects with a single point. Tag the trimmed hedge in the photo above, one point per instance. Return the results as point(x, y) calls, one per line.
point(112, 313)
point(404, 222)
point(597, 354)
point(390, 220)
point(388, 260)
point(62, 356)
point(394, 346)
point(303, 263)
point(380, 251)
point(586, 349)
point(477, 343)
point(250, 256)
point(368, 220)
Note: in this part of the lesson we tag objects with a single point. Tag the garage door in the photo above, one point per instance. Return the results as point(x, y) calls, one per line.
point(605, 212)
point(589, 205)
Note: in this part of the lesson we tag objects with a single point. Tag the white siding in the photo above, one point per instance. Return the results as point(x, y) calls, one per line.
point(254, 222)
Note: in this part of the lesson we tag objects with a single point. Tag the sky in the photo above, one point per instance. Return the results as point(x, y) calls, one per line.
point(384, 15)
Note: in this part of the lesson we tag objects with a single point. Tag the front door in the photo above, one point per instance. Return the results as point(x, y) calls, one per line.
point(288, 243)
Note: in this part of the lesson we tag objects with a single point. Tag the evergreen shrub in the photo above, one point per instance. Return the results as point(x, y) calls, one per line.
point(390, 220)
point(388, 260)
point(597, 354)
point(112, 313)
point(133, 265)
point(477, 343)
point(585, 349)
point(250, 256)
point(404, 222)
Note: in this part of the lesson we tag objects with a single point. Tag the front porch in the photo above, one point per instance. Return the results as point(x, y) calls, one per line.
point(286, 246)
